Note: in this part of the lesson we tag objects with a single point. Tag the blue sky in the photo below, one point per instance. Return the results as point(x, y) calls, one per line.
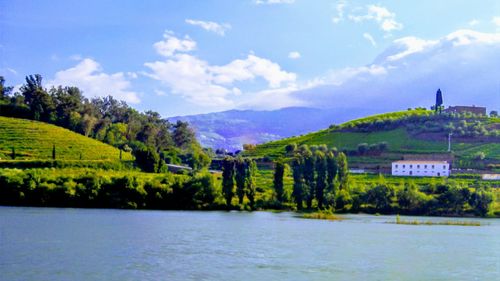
point(187, 57)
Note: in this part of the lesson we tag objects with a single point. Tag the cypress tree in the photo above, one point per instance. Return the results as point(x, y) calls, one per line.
point(439, 101)
point(250, 181)
point(331, 171)
point(308, 171)
point(279, 171)
point(320, 167)
point(240, 176)
point(228, 179)
point(13, 153)
point(298, 180)
point(343, 170)
point(53, 152)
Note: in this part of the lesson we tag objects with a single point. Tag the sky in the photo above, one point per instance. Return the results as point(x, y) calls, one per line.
point(190, 57)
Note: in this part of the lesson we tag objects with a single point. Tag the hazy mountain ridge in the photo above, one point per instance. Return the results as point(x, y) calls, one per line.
point(231, 129)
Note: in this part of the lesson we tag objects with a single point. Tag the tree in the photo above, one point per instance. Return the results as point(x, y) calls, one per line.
point(228, 179)
point(250, 181)
point(380, 196)
point(240, 177)
point(4, 91)
point(481, 201)
point(53, 152)
point(298, 180)
point(439, 101)
point(183, 135)
point(410, 199)
point(308, 171)
point(13, 153)
point(67, 100)
point(147, 159)
point(332, 168)
point(321, 174)
point(35, 96)
point(279, 171)
point(116, 134)
point(196, 158)
point(494, 113)
point(290, 148)
point(331, 171)
point(343, 170)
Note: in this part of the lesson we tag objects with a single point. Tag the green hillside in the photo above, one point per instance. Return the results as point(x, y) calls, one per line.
point(34, 140)
point(407, 132)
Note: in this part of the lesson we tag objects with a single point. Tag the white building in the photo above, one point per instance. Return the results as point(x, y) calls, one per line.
point(421, 168)
point(491, 177)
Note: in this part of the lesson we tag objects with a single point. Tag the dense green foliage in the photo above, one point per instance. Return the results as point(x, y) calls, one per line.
point(243, 172)
point(279, 172)
point(333, 188)
point(91, 188)
point(104, 119)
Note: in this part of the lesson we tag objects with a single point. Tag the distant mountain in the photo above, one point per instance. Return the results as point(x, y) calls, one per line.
point(231, 129)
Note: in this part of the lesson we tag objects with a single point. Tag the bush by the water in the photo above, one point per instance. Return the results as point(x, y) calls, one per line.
point(36, 187)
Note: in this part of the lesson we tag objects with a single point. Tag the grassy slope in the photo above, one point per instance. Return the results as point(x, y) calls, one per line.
point(33, 140)
point(399, 140)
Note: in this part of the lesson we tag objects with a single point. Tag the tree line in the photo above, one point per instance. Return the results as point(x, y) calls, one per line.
point(149, 136)
point(89, 189)
point(321, 181)
point(238, 178)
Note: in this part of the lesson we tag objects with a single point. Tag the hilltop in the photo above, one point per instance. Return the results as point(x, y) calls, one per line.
point(33, 140)
point(376, 140)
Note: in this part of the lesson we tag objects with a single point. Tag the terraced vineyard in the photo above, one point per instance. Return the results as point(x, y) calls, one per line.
point(34, 140)
point(399, 140)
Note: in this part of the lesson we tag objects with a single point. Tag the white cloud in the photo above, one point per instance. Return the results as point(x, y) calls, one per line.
point(381, 15)
point(218, 28)
point(90, 78)
point(212, 85)
point(409, 45)
point(294, 55)
point(339, 7)
point(160, 93)
point(370, 39)
point(76, 57)
point(496, 21)
point(171, 44)
point(272, 2)
point(464, 64)
point(473, 22)
point(8, 69)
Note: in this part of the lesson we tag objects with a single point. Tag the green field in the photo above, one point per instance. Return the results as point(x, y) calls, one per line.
point(34, 140)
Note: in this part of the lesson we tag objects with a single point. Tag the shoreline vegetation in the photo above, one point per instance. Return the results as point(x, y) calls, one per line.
point(320, 215)
point(429, 222)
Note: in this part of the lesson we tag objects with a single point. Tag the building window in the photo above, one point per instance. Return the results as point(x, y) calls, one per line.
point(433, 166)
point(444, 167)
point(418, 166)
point(403, 166)
point(425, 166)
point(396, 165)
point(411, 172)
point(411, 166)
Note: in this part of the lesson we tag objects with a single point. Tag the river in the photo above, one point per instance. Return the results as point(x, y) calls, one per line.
point(99, 244)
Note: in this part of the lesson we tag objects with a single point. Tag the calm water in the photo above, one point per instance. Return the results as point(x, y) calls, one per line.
point(75, 244)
